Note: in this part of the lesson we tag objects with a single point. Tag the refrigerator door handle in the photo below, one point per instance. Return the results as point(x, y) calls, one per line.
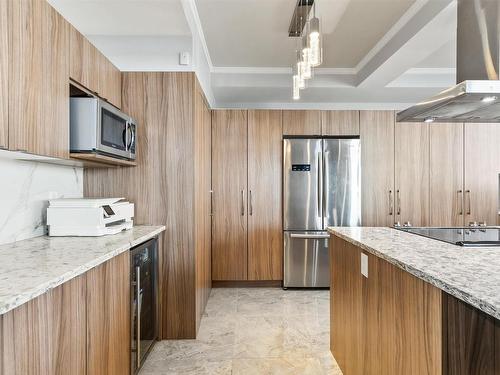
point(310, 236)
point(320, 185)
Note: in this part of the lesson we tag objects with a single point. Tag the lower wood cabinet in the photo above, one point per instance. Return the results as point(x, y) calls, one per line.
point(4, 74)
point(80, 328)
point(108, 317)
point(393, 323)
point(47, 335)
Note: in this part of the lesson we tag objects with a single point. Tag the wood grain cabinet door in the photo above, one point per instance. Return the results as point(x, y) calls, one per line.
point(339, 123)
point(301, 122)
point(265, 244)
point(446, 175)
point(108, 317)
point(377, 168)
point(38, 79)
point(84, 67)
point(412, 173)
point(229, 183)
point(482, 170)
point(4, 71)
point(47, 334)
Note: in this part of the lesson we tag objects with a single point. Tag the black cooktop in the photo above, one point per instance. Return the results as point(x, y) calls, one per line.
point(466, 236)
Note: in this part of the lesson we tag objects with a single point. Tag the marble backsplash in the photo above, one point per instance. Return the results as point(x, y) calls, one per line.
point(25, 188)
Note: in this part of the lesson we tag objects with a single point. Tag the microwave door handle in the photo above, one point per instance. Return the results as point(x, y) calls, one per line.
point(132, 136)
point(125, 137)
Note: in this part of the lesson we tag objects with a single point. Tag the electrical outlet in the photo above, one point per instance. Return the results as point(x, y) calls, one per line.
point(364, 265)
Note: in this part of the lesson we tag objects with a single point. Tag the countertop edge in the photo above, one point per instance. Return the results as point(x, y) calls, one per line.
point(445, 287)
point(23, 298)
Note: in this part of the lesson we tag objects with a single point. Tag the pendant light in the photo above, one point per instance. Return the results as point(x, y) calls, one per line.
point(314, 42)
point(306, 56)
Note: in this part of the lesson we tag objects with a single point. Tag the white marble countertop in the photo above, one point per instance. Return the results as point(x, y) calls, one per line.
point(470, 274)
point(32, 267)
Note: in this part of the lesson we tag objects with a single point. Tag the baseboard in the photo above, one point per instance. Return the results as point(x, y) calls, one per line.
point(247, 283)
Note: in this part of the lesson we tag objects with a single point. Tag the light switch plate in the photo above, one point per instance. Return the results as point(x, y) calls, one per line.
point(364, 265)
point(184, 58)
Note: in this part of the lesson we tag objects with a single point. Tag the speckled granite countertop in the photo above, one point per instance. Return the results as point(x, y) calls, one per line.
point(470, 274)
point(32, 267)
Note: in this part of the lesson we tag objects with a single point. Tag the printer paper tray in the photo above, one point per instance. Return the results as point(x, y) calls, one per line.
point(82, 231)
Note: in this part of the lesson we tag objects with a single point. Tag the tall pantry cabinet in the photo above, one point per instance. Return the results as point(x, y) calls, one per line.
point(246, 181)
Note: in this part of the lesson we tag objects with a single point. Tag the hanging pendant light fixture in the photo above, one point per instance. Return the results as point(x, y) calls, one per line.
point(314, 40)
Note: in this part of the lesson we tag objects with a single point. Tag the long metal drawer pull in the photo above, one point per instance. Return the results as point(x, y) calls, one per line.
point(461, 202)
point(211, 203)
point(391, 203)
point(138, 312)
point(310, 236)
point(468, 200)
point(243, 203)
point(399, 201)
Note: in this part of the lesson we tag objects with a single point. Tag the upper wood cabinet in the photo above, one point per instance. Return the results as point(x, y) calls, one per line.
point(341, 123)
point(46, 335)
point(38, 79)
point(482, 172)
point(84, 64)
point(108, 317)
point(229, 183)
point(301, 122)
point(377, 168)
point(412, 173)
point(446, 175)
point(265, 242)
point(4, 71)
point(90, 68)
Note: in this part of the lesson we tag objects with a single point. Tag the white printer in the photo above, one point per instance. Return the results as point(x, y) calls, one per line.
point(89, 217)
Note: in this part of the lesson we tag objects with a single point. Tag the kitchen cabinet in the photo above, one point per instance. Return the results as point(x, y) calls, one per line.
point(301, 122)
point(377, 168)
point(229, 183)
point(412, 173)
point(109, 81)
point(4, 71)
point(265, 242)
point(446, 175)
point(389, 322)
point(108, 317)
point(84, 66)
point(482, 171)
point(203, 201)
point(340, 123)
point(38, 79)
point(46, 335)
point(171, 186)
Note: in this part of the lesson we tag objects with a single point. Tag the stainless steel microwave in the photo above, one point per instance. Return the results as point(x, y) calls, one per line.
point(97, 126)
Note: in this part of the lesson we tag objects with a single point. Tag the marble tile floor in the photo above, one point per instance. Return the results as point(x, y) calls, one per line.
point(253, 331)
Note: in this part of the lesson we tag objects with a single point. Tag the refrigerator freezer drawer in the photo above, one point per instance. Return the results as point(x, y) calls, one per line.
point(306, 260)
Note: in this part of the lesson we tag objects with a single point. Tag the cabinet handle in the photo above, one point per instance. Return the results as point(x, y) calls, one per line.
point(138, 313)
point(211, 203)
point(391, 203)
point(320, 185)
point(468, 202)
point(243, 203)
point(398, 197)
point(251, 204)
point(460, 196)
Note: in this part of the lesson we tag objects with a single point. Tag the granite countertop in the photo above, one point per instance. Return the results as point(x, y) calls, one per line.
point(470, 274)
point(32, 267)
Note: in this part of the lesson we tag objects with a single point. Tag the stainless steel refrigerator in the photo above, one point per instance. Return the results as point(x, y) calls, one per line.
point(321, 188)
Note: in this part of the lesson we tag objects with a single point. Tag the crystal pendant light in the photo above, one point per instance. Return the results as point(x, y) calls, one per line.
point(300, 70)
point(315, 45)
point(306, 55)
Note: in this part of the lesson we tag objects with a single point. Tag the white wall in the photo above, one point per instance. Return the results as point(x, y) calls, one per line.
point(25, 188)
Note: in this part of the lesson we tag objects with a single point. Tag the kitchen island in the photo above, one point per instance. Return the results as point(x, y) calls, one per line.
point(405, 304)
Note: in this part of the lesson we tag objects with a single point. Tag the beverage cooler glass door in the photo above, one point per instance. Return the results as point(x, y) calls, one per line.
point(144, 301)
point(342, 182)
point(302, 184)
point(306, 260)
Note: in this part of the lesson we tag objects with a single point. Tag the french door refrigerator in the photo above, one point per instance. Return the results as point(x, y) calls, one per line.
point(321, 188)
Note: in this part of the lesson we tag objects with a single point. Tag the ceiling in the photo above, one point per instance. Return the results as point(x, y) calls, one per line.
point(377, 53)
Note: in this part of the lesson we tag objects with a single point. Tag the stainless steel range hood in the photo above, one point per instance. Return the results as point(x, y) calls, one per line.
point(476, 97)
